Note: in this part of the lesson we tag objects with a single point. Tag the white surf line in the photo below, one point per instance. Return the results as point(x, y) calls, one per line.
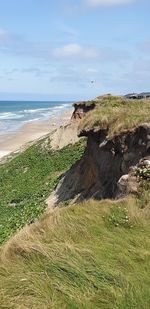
point(4, 153)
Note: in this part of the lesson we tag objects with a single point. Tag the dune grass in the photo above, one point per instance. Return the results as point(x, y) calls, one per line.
point(89, 256)
point(27, 180)
point(116, 114)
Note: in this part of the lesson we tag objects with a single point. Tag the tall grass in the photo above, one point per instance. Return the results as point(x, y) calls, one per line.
point(117, 114)
point(94, 255)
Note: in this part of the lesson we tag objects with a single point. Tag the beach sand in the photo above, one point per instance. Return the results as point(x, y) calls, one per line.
point(30, 132)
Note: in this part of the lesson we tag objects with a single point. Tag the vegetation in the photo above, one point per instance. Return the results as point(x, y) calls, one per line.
point(93, 255)
point(116, 114)
point(27, 180)
point(143, 172)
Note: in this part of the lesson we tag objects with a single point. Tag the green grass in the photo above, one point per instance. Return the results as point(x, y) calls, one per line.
point(27, 180)
point(116, 114)
point(90, 256)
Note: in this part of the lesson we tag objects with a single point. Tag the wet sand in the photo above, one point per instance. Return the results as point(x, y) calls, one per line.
point(30, 132)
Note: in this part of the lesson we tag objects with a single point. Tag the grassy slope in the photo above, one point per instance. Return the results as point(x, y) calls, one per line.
point(26, 182)
point(94, 255)
point(90, 256)
point(117, 114)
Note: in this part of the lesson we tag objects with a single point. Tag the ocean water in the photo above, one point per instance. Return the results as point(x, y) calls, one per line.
point(13, 114)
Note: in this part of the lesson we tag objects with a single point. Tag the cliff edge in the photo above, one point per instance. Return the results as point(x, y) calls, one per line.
point(118, 137)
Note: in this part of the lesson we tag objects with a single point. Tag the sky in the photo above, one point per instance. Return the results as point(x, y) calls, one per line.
point(53, 49)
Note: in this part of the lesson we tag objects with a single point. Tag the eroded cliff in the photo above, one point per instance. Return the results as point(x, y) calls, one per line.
point(107, 157)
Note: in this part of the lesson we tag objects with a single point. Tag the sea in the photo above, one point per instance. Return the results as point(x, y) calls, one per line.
point(13, 114)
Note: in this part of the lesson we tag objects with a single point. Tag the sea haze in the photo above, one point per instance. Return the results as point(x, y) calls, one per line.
point(13, 114)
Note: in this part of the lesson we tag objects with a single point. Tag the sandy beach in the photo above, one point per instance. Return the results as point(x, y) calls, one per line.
point(30, 132)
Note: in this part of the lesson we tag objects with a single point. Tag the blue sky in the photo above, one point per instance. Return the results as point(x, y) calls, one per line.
point(54, 49)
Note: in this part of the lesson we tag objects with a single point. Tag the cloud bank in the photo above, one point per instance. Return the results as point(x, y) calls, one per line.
point(96, 3)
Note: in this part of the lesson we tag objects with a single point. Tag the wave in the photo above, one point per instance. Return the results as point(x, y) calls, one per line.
point(33, 111)
point(30, 111)
point(38, 110)
point(12, 120)
point(9, 116)
point(31, 120)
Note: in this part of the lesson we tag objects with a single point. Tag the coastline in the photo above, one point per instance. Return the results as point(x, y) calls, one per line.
point(30, 132)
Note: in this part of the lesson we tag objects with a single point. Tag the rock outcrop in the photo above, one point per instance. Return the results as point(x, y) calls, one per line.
point(130, 183)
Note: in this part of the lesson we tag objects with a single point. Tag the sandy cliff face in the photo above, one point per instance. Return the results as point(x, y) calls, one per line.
point(104, 162)
point(67, 134)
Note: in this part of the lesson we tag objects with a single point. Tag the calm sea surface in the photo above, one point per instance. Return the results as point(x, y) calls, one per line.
point(13, 114)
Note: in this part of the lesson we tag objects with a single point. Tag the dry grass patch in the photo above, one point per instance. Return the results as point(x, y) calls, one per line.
point(117, 114)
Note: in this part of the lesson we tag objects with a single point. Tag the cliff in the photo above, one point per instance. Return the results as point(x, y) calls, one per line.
point(117, 139)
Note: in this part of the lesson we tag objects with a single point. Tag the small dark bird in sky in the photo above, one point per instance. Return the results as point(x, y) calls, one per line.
point(92, 81)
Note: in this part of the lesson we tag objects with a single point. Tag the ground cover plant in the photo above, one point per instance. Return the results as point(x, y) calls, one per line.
point(27, 180)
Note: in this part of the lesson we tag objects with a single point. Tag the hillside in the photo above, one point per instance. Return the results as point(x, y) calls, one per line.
point(92, 250)
point(94, 255)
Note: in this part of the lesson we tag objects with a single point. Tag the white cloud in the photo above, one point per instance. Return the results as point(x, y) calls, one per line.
point(75, 51)
point(96, 3)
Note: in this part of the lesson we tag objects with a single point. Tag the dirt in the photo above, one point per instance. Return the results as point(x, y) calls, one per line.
point(104, 162)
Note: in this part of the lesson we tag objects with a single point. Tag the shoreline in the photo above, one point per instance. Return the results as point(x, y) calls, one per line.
point(30, 132)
